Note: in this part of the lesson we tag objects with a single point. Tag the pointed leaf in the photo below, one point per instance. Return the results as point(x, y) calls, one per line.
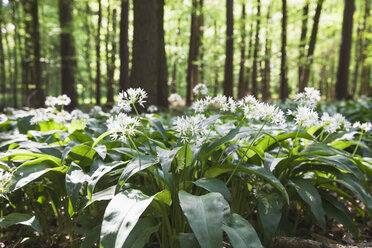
point(23, 219)
point(214, 185)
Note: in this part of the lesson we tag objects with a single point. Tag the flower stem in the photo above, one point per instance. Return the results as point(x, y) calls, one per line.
point(360, 139)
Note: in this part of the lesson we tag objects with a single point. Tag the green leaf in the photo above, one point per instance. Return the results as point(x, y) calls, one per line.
point(159, 127)
point(134, 166)
point(270, 212)
point(311, 196)
point(121, 216)
point(257, 170)
point(187, 240)
point(241, 233)
point(100, 138)
point(214, 185)
point(205, 215)
point(101, 150)
point(23, 219)
point(141, 233)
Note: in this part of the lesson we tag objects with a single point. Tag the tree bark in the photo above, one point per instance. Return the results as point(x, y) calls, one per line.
point(68, 55)
point(301, 59)
point(266, 94)
point(2, 61)
point(124, 51)
point(15, 54)
point(283, 61)
point(228, 80)
point(111, 68)
point(345, 49)
point(174, 70)
point(310, 54)
point(365, 76)
point(242, 81)
point(149, 69)
point(88, 85)
point(255, 51)
point(98, 55)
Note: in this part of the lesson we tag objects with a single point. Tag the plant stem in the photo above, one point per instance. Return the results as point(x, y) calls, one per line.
point(360, 139)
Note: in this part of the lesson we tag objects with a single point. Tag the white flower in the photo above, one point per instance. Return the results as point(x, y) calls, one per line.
point(51, 101)
point(5, 181)
point(97, 111)
point(62, 117)
point(121, 126)
point(247, 100)
point(152, 109)
point(63, 100)
point(201, 105)
point(130, 97)
point(200, 89)
point(77, 114)
point(269, 113)
point(3, 118)
point(191, 126)
point(348, 136)
point(333, 123)
point(42, 114)
point(309, 98)
point(115, 110)
point(175, 98)
point(306, 116)
point(367, 126)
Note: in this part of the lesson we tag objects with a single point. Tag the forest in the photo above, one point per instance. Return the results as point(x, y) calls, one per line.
point(186, 123)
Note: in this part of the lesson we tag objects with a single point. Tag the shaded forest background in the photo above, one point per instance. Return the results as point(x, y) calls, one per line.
point(90, 50)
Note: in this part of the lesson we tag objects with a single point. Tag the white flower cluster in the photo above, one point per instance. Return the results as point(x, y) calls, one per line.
point(41, 114)
point(189, 127)
point(120, 126)
point(130, 97)
point(309, 98)
point(305, 116)
point(3, 118)
point(366, 127)
point(5, 181)
point(152, 109)
point(269, 113)
point(201, 89)
point(62, 100)
point(97, 111)
point(332, 123)
point(175, 97)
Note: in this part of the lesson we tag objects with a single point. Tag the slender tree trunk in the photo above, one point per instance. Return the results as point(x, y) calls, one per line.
point(283, 65)
point(344, 58)
point(192, 77)
point(301, 59)
point(266, 94)
point(242, 81)
point(68, 60)
point(174, 70)
point(215, 66)
point(228, 81)
point(124, 51)
point(310, 54)
point(255, 51)
point(111, 68)
point(366, 68)
point(2, 61)
point(87, 51)
point(248, 77)
point(149, 68)
point(358, 56)
point(15, 54)
point(98, 55)
point(201, 46)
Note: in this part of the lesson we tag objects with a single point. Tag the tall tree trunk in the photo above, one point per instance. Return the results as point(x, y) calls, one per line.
point(174, 70)
point(124, 51)
point(149, 68)
point(242, 81)
point(215, 66)
point(98, 55)
point(358, 57)
point(267, 70)
point(365, 87)
point(301, 59)
point(201, 46)
point(310, 54)
point(283, 61)
point(111, 68)
point(88, 85)
point(2, 60)
point(228, 80)
point(255, 51)
point(248, 77)
point(15, 54)
point(344, 58)
point(192, 77)
point(68, 60)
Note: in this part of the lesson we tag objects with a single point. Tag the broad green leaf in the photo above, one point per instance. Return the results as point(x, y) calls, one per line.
point(121, 216)
point(214, 185)
point(187, 240)
point(241, 233)
point(141, 233)
point(101, 150)
point(268, 141)
point(159, 127)
point(27, 173)
point(82, 153)
point(311, 196)
point(100, 138)
point(23, 219)
point(184, 157)
point(205, 215)
point(134, 166)
point(91, 237)
point(270, 212)
point(104, 195)
point(80, 136)
point(257, 170)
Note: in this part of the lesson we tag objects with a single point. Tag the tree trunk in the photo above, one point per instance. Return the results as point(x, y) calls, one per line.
point(267, 70)
point(2, 61)
point(111, 68)
point(149, 68)
point(301, 59)
point(310, 54)
point(242, 81)
point(192, 77)
point(283, 66)
point(174, 70)
point(215, 66)
point(68, 60)
point(124, 51)
point(365, 76)
point(15, 54)
point(255, 51)
point(88, 89)
point(228, 80)
point(98, 55)
point(344, 58)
